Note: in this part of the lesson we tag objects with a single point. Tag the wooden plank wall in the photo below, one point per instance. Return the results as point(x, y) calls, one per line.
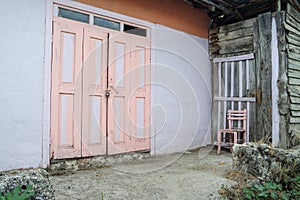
point(232, 40)
point(226, 41)
point(292, 27)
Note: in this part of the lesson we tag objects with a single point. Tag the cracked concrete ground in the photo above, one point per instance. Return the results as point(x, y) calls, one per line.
point(192, 175)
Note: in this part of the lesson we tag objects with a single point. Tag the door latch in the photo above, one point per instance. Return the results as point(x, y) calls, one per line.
point(107, 93)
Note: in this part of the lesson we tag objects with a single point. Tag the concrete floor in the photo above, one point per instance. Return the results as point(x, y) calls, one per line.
point(192, 175)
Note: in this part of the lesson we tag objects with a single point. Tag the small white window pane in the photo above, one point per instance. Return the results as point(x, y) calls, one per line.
point(68, 57)
point(140, 117)
point(119, 119)
point(95, 110)
point(66, 121)
point(141, 67)
point(120, 64)
point(96, 62)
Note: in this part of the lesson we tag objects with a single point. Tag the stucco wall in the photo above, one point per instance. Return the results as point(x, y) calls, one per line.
point(21, 83)
point(176, 14)
point(181, 91)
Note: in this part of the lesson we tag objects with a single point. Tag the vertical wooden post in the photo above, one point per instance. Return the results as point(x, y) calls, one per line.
point(283, 102)
point(262, 48)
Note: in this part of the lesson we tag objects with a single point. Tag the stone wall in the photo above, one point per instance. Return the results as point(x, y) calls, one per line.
point(263, 161)
point(38, 178)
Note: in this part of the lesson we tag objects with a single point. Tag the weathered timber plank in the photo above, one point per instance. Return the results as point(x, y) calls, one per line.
point(294, 81)
point(214, 121)
point(295, 120)
point(252, 89)
point(295, 99)
point(294, 48)
point(294, 127)
point(241, 33)
point(280, 18)
point(293, 73)
point(293, 12)
point(295, 107)
point(283, 130)
point(293, 55)
point(292, 29)
point(233, 46)
point(293, 64)
point(295, 113)
point(292, 22)
point(293, 39)
point(263, 35)
point(237, 26)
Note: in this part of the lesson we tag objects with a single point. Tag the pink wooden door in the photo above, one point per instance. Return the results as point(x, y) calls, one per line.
point(87, 62)
point(129, 103)
point(140, 94)
point(119, 86)
point(94, 86)
point(66, 86)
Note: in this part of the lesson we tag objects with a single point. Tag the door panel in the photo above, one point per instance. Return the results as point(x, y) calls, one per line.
point(140, 94)
point(119, 86)
point(66, 82)
point(94, 86)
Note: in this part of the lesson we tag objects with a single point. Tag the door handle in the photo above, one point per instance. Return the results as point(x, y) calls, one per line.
point(113, 88)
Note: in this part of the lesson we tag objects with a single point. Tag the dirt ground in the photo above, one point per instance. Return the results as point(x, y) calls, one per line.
point(192, 175)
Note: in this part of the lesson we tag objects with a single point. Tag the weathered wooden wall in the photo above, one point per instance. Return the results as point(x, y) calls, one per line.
point(254, 36)
point(232, 40)
point(250, 36)
point(227, 41)
point(292, 28)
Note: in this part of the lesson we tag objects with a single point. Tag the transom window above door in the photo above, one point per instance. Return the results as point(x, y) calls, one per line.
point(97, 20)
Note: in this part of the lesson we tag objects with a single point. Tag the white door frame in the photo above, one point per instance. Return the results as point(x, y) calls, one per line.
point(48, 55)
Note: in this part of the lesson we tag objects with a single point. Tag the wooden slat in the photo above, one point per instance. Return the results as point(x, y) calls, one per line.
point(295, 99)
point(295, 107)
point(295, 113)
point(242, 99)
point(234, 58)
point(237, 26)
point(293, 55)
point(292, 22)
point(292, 29)
point(294, 48)
point(295, 120)
point(293, 39)
point(293, 64)
point(294, 81)
point(294, 127)
point(241, 33)
point(293, 12)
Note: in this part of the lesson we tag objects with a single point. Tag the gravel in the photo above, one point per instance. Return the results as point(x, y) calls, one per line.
point(192, 175)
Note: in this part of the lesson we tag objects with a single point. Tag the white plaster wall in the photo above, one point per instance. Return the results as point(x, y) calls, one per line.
point(181, 91)
point(22, 35)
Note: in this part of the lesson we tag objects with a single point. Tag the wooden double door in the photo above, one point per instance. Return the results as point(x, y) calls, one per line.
point(100, 96)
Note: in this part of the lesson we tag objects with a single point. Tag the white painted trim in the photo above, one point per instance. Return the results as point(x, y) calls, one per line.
point(219, 103)
point(242, 99)
point(103, 12)
point(275, 91)
point(152, 94)
point(47, 85)
point(225, 94)
point(232, 83)
point(234, 58)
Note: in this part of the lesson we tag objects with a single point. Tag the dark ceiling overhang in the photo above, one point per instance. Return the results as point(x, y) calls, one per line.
point(224, 12)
